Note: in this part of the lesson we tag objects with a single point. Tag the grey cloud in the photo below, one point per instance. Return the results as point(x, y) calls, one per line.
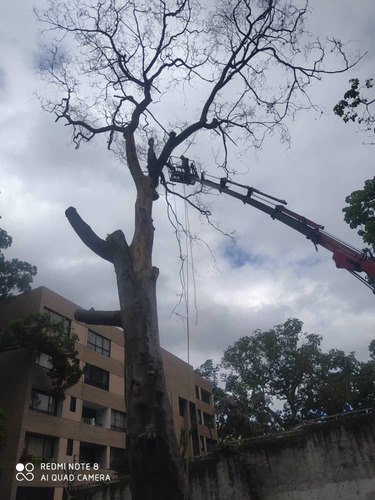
point(2, 80)
point(42, 175)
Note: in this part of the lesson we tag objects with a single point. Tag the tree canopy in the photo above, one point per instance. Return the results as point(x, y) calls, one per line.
point(249, 66)
point(357, 106)
point(360, 212)
point(15, 275)
point(277, 378)
point(37, 332)
point(40, 332)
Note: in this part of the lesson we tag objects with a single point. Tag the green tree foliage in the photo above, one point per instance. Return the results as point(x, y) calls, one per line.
point(277, 378)
point(14, 274)
point(360, 212)
point(222, 400)
point(39, 332)
point(356, 106)
point(335, 389)
point(281, 363)
point(371, 348)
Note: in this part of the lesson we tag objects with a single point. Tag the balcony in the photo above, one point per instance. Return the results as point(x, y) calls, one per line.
point(94, 414)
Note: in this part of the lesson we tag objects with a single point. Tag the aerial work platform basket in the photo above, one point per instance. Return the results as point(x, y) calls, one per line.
point(182, 170)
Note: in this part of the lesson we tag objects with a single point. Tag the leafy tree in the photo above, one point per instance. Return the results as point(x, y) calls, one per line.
point(365, 384)
point(281, 363)
point(277, 378)
point(360, 212)
point(14, 274)
point(39, 332)
point(371, 348)
point(116, 67)
point(211, 372)
point(234, 415)
point(335, 389)
point(356, 106)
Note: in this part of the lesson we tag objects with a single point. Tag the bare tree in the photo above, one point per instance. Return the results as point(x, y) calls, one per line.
point(116, 64)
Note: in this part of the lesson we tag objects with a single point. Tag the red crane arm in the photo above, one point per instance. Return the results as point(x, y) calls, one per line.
point(345, 256)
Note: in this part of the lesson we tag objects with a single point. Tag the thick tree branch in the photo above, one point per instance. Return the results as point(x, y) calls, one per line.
point(87, 235)
point(123, 263)
point(92, 317)
point(175, 140)
point(132, 159)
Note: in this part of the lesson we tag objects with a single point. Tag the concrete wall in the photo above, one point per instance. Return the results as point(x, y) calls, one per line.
point(330, 460)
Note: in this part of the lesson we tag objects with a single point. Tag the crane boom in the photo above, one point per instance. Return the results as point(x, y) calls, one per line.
point(344, 255)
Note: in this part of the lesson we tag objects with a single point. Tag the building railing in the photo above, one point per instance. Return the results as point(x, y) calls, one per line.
point(91, 421)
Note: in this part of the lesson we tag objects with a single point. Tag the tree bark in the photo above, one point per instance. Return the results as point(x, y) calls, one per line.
point(155, 465)
point(92, 317)
point(154, 461)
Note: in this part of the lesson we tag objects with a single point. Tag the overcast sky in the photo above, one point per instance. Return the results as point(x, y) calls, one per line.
point(271, 274)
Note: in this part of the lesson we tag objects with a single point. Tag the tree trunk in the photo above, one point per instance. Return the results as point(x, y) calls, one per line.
point(154, 461)
point(155, 465)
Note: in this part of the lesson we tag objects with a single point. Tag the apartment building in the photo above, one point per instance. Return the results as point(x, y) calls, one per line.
point(88, 427)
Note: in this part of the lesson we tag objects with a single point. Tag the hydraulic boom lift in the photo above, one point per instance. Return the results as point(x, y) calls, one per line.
point(344, 255)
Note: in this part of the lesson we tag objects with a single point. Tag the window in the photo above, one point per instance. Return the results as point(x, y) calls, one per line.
point(99, 343)
point(206, 396)
point(209, 420)
point(44, 360)
point(73, 403)
point(197, 392)
point(182, 405)
point(118, 421)
point(69, 447)
point(40, 446)
point(202, 443)
point(58, 318)
point(200, 421)
point(43, 402)
point(97, 377)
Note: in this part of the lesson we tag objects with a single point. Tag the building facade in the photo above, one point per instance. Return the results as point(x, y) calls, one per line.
point(86, 430)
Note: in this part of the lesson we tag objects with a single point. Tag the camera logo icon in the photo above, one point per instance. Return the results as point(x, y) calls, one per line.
point(25, 472)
